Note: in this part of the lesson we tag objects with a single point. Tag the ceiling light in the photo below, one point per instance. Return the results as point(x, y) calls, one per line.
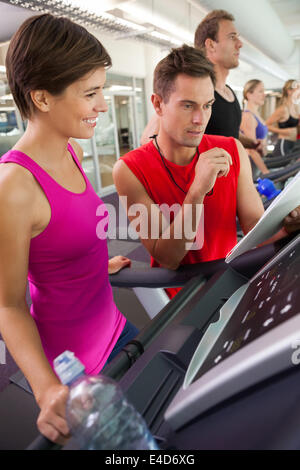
point(140, 13)
point(166, 38)
point(127, 24)
point(90, 14)
point(77, 11)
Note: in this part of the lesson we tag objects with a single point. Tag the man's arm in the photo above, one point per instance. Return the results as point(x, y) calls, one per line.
point(250, 207)
point(168, 252)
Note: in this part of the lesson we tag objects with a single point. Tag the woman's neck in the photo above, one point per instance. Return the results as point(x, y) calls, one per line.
point(253, 107)
point(46, 148)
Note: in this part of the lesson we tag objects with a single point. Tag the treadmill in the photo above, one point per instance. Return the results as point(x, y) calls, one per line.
point(222, 373)
point(240, 389)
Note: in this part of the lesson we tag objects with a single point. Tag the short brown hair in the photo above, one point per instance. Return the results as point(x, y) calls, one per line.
point(209, 27)
point(49, 53)
point(183, 60)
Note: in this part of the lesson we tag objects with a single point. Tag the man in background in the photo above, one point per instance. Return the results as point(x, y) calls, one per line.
point(218, 39)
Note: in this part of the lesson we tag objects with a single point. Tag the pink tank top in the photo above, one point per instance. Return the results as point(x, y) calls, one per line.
point(72, 300)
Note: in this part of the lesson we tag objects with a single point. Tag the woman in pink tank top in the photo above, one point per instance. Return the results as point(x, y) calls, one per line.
point(56, 72)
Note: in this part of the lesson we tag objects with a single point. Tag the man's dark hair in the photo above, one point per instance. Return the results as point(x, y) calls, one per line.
point(49, 53)
point(183, 60)
point(209, 27)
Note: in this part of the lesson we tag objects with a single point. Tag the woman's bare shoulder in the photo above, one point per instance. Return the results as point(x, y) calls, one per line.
point(17, 184)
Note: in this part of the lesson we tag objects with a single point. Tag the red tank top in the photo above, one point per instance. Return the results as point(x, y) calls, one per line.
point(219, 208)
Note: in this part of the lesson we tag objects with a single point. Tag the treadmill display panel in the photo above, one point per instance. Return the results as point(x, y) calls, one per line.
point(271, 298)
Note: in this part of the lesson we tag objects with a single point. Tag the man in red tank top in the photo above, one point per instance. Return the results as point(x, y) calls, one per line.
point(188, 186)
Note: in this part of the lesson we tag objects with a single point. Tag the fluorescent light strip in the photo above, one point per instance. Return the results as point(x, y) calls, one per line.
point(93, 7)
point(139, 13)
point(90, 13)
point(77, 10)
point(164, 37)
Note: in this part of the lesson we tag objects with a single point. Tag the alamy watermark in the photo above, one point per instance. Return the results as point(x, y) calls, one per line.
point(296, 353)
point(2, 352)
point(153, 223)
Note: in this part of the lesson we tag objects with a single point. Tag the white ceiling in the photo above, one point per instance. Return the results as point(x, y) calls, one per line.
point(179, 19)
point(10, 19)
point(289, 13)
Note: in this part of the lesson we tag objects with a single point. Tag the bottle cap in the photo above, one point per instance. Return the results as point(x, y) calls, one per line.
point(68, 367)
point(267, 188)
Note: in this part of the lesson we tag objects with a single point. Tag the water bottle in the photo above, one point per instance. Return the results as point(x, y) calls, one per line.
point(267, 188)
point(98, 414)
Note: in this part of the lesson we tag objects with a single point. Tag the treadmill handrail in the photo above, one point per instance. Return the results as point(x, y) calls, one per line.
point(162, 278)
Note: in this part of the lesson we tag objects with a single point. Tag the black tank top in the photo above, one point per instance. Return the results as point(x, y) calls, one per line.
point(225, 118)
point(291, 122)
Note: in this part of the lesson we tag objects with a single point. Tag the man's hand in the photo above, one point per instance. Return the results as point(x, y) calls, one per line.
point(292, 222)
point(211, 165)
point(117, 263)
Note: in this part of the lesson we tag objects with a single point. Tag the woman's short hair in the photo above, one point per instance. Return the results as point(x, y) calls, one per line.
point(182, 60)
point(49, 53)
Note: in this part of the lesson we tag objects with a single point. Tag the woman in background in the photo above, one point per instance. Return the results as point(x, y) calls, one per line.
point(253, 125)
point(285, 119)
